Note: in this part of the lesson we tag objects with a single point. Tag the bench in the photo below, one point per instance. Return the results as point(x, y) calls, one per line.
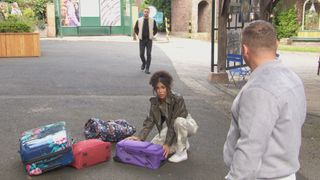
point(305, 39)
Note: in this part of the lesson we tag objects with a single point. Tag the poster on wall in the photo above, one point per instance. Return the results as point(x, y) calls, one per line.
point(110, 13)
point(70, 13)
point(233, 41)
point(90, 8)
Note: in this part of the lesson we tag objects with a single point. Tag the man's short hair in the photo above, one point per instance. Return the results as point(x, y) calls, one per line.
point(146, 8)
point(259, 35)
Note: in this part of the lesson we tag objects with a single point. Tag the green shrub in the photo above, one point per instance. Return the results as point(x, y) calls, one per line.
point(21, 3)
point(286, 23)
point(39, 7)
point(41, 24)
point(16, 24)
point(29, 13)
point(162, 6)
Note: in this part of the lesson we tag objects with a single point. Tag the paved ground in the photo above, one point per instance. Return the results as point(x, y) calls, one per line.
point(79, 78)
point(73, 81)
point(191, 60)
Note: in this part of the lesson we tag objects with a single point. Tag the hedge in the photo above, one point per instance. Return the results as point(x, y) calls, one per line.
point(16, 24)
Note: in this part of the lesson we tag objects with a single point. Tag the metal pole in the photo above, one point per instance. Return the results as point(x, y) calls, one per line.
point(303, 13)
point(59, 27)
point(318, 66)
point(190, 30)
point(212, 34)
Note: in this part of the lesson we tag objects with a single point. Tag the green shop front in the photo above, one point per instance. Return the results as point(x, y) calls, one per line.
point(93, 17)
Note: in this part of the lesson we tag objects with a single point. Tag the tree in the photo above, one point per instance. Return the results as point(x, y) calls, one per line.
point(299, 6)
point(266, 7)
point(161, 5)
point(286, 23)
point(222, 36)
point(38, 6)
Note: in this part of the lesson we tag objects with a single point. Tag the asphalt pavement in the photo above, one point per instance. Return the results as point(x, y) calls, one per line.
point(73, 81)
point(77, 78)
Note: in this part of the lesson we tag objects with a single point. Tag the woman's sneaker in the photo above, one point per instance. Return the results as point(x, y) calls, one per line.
point(179, 156)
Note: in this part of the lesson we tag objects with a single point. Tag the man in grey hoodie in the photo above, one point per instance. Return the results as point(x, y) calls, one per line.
point(264, 138)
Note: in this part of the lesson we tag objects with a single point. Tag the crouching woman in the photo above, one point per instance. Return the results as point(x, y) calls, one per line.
point(169, 113)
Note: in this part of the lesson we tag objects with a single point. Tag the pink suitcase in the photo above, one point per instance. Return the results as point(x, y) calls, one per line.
point(90, 152)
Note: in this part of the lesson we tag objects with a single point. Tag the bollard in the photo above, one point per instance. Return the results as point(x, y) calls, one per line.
point(190, 29)
point(167, 27)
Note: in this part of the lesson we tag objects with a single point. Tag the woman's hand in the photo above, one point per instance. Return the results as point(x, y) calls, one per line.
point(134, 138)
point(166, 150)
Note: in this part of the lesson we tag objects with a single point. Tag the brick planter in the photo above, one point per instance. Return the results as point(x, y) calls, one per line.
point(19, 44)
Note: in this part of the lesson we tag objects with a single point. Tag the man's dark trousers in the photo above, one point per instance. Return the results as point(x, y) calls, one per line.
point(145, 44)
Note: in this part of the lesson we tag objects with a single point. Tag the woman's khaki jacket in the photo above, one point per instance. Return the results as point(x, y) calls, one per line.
point(176, 108)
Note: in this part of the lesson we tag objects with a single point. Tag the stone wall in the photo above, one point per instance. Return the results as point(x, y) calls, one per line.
point(185, 11)
point(180, 15)
point(204, 17)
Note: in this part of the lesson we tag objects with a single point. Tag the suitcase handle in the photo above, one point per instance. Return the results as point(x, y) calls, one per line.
point(51, 159)
point(35, 160)
point(52, 167)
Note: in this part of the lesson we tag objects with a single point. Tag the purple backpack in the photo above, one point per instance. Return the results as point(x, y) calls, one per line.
point(110, 131)
point(140, 153)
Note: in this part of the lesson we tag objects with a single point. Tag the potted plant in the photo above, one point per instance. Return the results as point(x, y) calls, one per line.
point(17, 37)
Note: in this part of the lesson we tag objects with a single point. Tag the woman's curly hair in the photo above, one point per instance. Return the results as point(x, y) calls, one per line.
point(161, 76)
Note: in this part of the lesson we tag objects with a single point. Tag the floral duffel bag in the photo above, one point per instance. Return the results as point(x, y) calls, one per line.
point(110, 131)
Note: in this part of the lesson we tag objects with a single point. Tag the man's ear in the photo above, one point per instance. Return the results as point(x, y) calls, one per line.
point(245, 50)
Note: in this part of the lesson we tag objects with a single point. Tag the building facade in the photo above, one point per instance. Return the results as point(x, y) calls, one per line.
point(192, 16)
point(93, 17)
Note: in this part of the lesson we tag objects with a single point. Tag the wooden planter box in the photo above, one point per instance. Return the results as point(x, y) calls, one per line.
point(19, 44)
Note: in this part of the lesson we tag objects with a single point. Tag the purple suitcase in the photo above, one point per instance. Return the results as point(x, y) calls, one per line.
point(140, 153)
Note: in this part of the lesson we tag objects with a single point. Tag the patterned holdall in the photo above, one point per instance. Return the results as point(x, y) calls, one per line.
point(45, 148)
point(110, 131)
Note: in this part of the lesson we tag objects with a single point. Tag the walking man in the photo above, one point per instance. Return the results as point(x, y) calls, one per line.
point(145, 28)
point(264, 138)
